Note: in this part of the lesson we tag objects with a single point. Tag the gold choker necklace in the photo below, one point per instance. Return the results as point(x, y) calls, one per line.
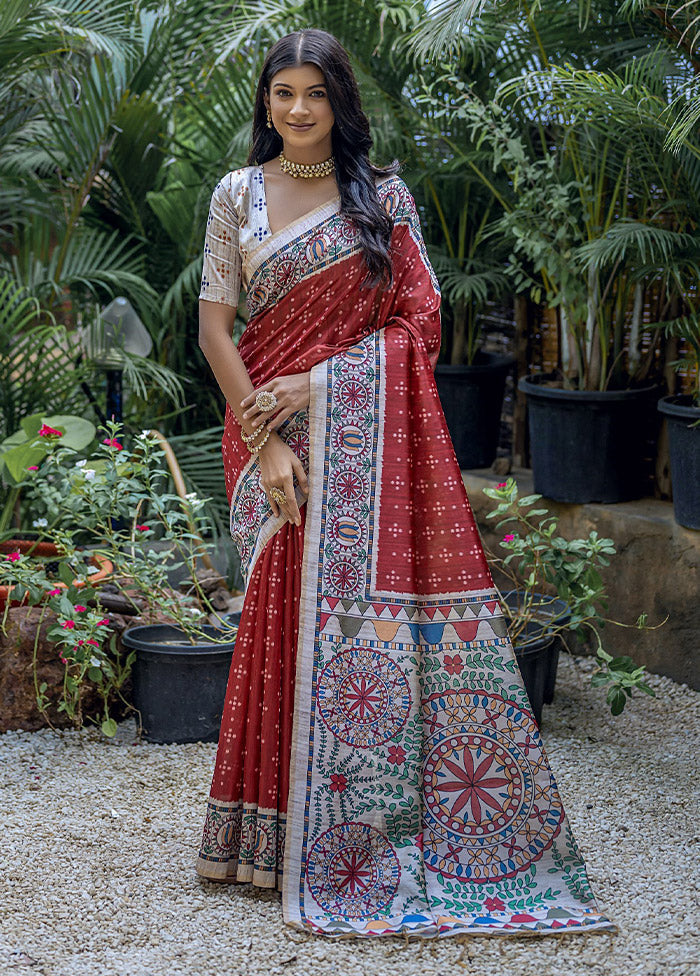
point(307, 170)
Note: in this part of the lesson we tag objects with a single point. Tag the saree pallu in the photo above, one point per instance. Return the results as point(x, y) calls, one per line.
point(405, 788)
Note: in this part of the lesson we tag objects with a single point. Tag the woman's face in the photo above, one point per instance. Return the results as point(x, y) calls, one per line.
point(300, 108)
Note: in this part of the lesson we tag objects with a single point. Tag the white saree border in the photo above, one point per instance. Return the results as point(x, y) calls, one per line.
point(421, 800)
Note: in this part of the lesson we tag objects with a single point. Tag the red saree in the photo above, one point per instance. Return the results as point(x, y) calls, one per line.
point(378, 759)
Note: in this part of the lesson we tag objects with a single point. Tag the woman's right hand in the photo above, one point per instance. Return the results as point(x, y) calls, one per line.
point(278, 465)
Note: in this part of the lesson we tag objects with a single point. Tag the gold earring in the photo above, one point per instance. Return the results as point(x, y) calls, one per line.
point(269, 119)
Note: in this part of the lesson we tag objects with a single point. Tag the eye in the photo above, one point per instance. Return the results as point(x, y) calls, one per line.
point(319, 92)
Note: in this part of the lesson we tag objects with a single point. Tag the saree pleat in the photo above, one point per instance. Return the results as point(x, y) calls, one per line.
point(246, 813)
point(378, 757)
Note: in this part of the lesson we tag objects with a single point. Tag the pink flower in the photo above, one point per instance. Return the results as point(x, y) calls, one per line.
point(142, 528)
point(494, 903)
point(338, 782)
point(46, 431)
point(68, 624)
point(104, 621)
point(33, 467)
point(501, 484)
point(56, 592)
point(14, 556)
point(62, 658)
point(453, 665)
point(396, 754)
point(112, 442)
point(80, 608)
point(508, 538)
point(91, 640)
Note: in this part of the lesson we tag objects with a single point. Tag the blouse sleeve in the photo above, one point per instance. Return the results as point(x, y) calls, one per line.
point(221, 269)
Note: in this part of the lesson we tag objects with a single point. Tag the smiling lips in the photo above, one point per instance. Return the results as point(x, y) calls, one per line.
point(305, 125)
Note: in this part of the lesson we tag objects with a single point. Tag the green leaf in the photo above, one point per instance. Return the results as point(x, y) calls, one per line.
point(109, 727)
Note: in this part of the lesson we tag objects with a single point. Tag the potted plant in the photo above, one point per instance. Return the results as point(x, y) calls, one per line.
point(581, 244)
point(117, 500)
point(556, 589)
point(682, 413)
point(470, 380)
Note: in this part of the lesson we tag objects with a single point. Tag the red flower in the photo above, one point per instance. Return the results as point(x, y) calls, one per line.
point(91, 640)
point(68, 624)
point(338, 782)
point(46, 431)
point(14, 556)
point(33, 467)
point(104, 621)
point(396, 754)
point(501, 484)
point(142, 528)
point(496, 904)
point(508, 538)
point(56, 592)
point(80, 608)
point(453, 665)
point(112, 442)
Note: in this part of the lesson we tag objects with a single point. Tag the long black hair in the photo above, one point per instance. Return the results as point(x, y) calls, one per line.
point(350, 136)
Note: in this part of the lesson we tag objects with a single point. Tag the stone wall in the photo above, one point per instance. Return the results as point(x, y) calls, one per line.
point(656, 571)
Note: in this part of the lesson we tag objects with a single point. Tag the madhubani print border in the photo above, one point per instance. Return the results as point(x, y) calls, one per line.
point(320, 244)
point(251, 837)
point(251, 522)
point(303, 844)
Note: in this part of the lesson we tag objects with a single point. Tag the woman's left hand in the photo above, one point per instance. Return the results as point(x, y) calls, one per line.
point(292, 393)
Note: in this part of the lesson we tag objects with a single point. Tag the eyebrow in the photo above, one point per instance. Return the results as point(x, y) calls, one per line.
point(282, 84)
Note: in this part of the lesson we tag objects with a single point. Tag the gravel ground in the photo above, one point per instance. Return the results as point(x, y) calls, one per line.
point(99, 839)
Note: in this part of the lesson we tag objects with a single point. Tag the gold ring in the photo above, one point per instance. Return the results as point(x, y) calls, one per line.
point(265, 401)
point(278, 495)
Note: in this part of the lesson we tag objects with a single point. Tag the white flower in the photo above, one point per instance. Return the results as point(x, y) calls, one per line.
point(89, 474)
point(93, 569)
point(192, 496)
point(81, 464)
point(40, 523)
point(95, 662)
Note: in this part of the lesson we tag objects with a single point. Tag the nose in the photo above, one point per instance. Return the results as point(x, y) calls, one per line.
point(299, 109)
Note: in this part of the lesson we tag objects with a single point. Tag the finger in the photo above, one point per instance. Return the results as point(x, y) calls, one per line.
point(301, 475)
point(292, 507)
point(280, 418)
point(248, 400)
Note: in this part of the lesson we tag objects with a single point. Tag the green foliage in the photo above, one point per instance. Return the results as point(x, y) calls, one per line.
point(540, 560)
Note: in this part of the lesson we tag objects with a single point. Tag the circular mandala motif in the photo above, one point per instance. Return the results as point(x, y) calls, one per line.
point(351, 440)
point(285, 271)
point(352, 394)
point(348, 484)
point(341, 578)
point(347, 531)
point(356, 355)
point(363, 697)
point(228, 836)
point(491, 803)
point(352, 870)
point(317, 248)
point(298, 441)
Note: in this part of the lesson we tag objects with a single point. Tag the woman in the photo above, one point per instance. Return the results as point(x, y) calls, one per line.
point(378, 760)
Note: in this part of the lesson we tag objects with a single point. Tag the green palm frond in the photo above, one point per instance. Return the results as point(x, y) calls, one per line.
point(475, 282)
point(95, 262)
point(631, 241)
point(38, 367)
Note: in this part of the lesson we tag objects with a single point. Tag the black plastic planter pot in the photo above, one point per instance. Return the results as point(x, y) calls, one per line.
point(534, 653)
point(472, 400)
point(552, 607)
point(178, 688)
point(684, 450)
point(590, 447)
